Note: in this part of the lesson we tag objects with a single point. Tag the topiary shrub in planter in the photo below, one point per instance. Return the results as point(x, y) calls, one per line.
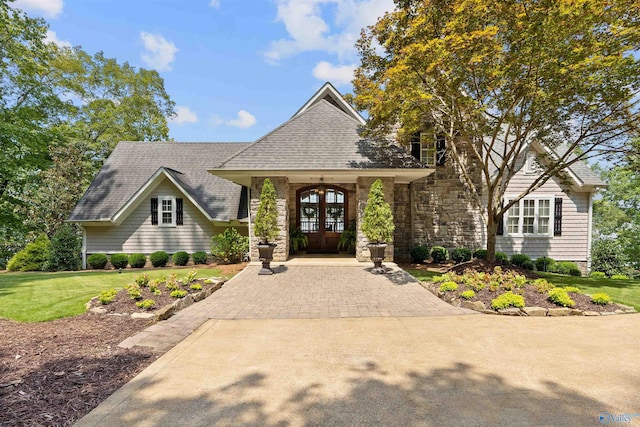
point(419, 254)
point(229, 246)
point(439, 254)
point(119, 260)
point(480, 254)
point(34, 257)
point(544, 263)
point(65, 249)
point(159, 259)
point(377, 224)
point(137, 260)
point(97, 261)
point(461, 255)
point(199, 257)
point(180, 258)
point(265, 226)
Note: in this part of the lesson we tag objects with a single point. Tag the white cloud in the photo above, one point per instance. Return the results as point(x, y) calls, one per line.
point(244, 120)
point(214, 3)
point(308, 29)
point(48, 8)
point(336, 74)
point(52, 37)
point(184, 115)
point(160, 53)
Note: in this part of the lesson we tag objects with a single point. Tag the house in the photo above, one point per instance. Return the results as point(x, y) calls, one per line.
point(175, 196)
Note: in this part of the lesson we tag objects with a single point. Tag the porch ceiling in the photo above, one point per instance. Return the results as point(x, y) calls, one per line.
point(327, 176)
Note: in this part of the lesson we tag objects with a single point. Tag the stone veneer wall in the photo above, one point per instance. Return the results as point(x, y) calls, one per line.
point(362, 193)
point(402, 219)
point(444, 213)
point(281, 184)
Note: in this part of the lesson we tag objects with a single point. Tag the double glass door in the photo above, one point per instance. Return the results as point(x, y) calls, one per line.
point(322, 215)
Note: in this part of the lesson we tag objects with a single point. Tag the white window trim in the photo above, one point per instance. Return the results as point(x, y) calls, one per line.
point(537, 199)
point(531, 166)
point(428, 144)
point(173, 211)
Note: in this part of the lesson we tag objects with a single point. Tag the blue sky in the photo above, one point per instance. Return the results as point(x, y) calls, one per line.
point(235, 69)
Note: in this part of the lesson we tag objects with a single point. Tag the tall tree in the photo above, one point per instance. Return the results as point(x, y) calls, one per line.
point(496, 77)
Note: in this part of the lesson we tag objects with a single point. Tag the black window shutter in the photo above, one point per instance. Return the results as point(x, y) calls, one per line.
point(441, 151)
point(179, 215)
point(500, 230)
point(154, 211)
point(557, 217)
point(415, 150)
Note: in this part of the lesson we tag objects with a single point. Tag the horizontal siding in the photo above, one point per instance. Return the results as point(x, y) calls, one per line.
point(136, 234)
point(573, 244)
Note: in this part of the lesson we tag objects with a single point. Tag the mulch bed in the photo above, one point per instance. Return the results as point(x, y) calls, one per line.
point(53, 373)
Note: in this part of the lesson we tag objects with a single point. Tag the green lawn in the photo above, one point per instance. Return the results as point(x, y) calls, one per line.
point(38, 297)
point(622, 291)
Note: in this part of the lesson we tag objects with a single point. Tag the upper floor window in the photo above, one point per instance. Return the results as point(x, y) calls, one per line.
point(166, 211)
point(429, 150)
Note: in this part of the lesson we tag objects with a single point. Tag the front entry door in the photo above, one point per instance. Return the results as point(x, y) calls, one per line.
point(322, 215)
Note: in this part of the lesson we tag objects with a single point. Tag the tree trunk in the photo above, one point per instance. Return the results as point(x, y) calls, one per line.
point(492, 229)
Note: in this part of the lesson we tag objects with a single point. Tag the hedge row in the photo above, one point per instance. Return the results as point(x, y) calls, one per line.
point(98, 261)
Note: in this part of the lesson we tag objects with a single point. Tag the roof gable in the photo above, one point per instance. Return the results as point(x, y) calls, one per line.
point(330, 94)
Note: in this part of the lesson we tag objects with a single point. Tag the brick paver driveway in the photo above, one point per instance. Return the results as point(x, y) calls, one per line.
point(305, 292)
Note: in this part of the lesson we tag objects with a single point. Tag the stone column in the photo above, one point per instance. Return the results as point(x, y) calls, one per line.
point(362, 193)
point(281, 184)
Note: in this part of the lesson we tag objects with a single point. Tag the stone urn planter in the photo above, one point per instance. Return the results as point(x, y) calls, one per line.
point(377, 256)
point(265, 252)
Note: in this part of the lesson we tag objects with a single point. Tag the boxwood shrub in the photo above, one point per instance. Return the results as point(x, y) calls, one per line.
point(119, 260)
point(502, 258)
point(520, 259)
point(419, 253)
point(461, 255)
point(480, 254)
point(180, 258)
point(97, 261)
point(544, 263)
point(199, 257)
point(137, 260)
point(159, 259)
point(439, 254)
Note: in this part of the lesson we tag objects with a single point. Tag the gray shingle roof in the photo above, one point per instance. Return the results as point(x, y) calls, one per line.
point(321, 137)
point(132, 164)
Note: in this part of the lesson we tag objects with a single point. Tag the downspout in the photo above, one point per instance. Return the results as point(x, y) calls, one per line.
point(84, 246)
point(589, 232)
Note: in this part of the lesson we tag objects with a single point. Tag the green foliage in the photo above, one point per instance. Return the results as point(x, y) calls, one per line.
point(265, 225)
point(506, 300)
point(572, 289)
point(520, 259)
point(597, 275)
point(190, 277)
point(199, 257)
point(159, 259)
point(502, 258)
point(65, 249)
point(229, 246)
point(134, 291)
point(544, 263)
point(107, 297)
point(178, 293)
point(146, 304)
point(468, 294)
point(439, 254)
point(461, 255)
point(298, 240)
point(608, 256)
point(97, 261)
point(542, 286)
point(348, 239)
point(137, 260)
point(620, 277)
point(34, 257)
point(377, 221)
point(142, 280)
point(119, 260)
point(557, 72)
point(180, 258)
point(565, 267)
point(480, 254)
point(560, 297)
point(600, 298)
point(195, 287)
point(448, 286)
point(153, 285)
point(172, 283)
point(419, 253)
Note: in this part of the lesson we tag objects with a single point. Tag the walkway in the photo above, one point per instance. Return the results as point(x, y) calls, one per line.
point(302, 290)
